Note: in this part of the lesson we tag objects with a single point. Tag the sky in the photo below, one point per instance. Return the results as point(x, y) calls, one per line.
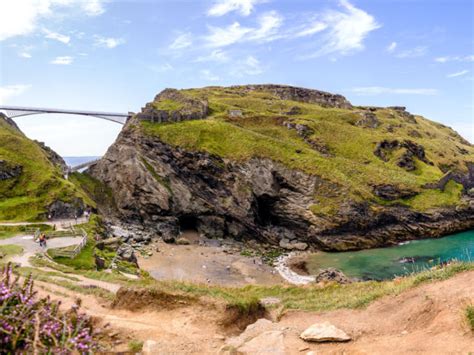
point(109, 55)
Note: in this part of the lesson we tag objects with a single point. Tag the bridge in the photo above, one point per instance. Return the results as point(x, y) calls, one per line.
point(19, 111)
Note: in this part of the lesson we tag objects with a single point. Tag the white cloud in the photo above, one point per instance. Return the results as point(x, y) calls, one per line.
point(9, 91)
point(21, 17)
point(64, 60)
point(25, 55)
point(56, 36)
point(459, 73)
point(184, 40)
point(267, 29)
point(207, 75)
point(391, 47)
point(108, 42)
point(93, 7)
point(379, 90)
point(248, 66)
point(311, 29)
point(161, 68)
point(222, 7)
point(468, 58)
point(413, 52)
point(346, 30)
point(220, 37)
point(217, 55)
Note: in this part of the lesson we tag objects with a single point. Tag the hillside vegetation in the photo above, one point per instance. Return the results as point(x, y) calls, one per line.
point(337, 144)
point(30, 181)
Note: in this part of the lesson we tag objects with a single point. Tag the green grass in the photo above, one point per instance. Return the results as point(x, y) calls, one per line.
point(85, 259)
point(41, 183)
point(314, 298)
point(135, 346)
point(469, 313)
point(352, 169)
point(9, 250)
point(168, 105)
point(11, 231)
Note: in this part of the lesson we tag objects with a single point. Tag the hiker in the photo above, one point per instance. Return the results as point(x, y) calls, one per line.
point(42, 240)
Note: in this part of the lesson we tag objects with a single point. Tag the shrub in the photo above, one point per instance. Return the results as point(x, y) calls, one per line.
point(470, 316)
point(32, 325)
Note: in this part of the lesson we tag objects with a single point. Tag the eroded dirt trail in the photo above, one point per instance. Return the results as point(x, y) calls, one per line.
point(425, 320)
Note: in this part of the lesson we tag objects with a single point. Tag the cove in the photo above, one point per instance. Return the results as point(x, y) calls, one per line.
point(386, 263)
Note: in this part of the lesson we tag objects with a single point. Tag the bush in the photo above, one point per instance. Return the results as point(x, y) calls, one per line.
point(32, 325)
point(470, 316)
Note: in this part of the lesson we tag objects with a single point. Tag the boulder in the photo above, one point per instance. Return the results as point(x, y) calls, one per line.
point(368, 120)
point(324, 332)
point(331, 274)
point(126, 252)
point(8, 171)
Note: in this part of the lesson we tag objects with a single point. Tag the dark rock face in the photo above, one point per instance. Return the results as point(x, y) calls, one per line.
point(307, 134)
point(390, 192)
point(285, 92)
point(61, 209)
point(402, 111)
point(53, 157)
point(368, 120)
point(168, 189)
point(187, 108)
point(411, 149)
point(126, 253)
point(8, 171)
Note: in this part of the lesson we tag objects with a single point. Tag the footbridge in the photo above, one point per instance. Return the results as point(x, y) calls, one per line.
point(19, 111)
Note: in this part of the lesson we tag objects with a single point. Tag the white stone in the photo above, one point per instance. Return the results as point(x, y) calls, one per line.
point(324, 332)
point(149, 347)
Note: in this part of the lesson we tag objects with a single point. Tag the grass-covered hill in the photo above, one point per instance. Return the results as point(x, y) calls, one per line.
point(31, 179)
point(339, 168)
point(336, 144)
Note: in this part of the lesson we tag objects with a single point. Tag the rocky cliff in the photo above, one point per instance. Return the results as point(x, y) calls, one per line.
point(289, 166)
point(32, 185)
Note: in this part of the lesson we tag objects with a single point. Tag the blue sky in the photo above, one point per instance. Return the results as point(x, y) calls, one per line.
point(117, 55)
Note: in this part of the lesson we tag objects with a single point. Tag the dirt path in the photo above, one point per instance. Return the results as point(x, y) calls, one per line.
point(30, 247)
point(425, 320)
point(59, 224)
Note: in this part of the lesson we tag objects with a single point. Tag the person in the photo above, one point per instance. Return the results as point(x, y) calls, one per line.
point(42, 240)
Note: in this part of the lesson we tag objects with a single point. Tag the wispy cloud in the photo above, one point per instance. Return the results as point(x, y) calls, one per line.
point(208, 76)
point(222, 7)
point(391, 47)
point(467, 58)
point(217, 55)
point(64, 60)
point(268, 25)
point(346, 30)
point(184, 40)
point(9, 91)
point(380, 90)
point(311, 29)
point(249, 66)
point(413, 52)
point(25, 55)
point(108, 42)
point(56, 36)
point(459, 73)
point(21, 17)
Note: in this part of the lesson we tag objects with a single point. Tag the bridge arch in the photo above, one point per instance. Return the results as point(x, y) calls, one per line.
point(12, 112)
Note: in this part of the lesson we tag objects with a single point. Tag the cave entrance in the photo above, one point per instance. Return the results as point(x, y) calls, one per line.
point(265, 206)
point(188, 223)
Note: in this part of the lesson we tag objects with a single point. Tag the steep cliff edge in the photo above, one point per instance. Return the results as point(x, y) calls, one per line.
point(31, 179)
point(289, 166)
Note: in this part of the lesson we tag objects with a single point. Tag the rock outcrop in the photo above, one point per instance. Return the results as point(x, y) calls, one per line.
point(167, 187)
point(324, 332)
point(8, 171)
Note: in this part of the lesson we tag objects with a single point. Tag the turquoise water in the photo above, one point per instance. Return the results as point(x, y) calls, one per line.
point(385, 263)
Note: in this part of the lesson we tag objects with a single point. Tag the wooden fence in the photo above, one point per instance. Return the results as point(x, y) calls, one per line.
point(67, 252)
